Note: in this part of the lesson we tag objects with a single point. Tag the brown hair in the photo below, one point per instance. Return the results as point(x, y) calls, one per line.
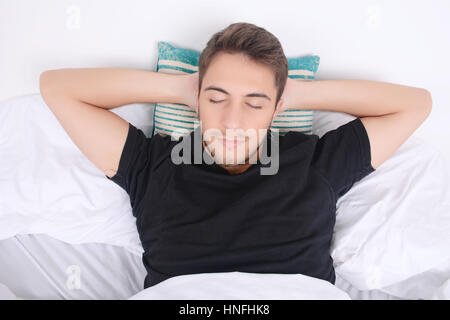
point(256, 42)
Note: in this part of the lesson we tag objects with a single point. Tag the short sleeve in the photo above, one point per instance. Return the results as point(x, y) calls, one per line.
point(343, 156)
point(134, 165)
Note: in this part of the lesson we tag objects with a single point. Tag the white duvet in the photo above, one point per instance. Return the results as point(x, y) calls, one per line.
point(392, 228)
point(242, 286)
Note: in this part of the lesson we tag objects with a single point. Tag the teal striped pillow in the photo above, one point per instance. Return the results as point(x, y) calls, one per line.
point(179, 119)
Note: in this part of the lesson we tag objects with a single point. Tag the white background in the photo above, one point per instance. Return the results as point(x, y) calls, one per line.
point(404, 42)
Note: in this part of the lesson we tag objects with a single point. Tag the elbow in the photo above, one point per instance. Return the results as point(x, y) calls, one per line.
point(427, 101)
point(50, 82)
point(45, 81)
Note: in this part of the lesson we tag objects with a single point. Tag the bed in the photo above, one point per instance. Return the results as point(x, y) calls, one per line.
point(68, 233)
point(52, 269)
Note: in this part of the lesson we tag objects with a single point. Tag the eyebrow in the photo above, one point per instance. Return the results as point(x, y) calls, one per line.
point(253, 94)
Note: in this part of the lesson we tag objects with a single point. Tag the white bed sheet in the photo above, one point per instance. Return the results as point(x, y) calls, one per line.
point(37, 266)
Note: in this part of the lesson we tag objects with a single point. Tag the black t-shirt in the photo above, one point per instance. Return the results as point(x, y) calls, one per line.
point(198, 218)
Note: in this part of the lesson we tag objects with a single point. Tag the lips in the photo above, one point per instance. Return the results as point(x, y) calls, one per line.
point(231, 142)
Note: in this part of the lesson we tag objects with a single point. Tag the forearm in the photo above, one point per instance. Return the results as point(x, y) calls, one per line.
point(113, 87)
point(357, 97)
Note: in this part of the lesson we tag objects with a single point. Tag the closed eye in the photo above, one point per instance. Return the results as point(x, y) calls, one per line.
point(256, 107)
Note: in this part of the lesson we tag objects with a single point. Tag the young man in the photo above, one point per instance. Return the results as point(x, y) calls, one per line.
point(220, 217)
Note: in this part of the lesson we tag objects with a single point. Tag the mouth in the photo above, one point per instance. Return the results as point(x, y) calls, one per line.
point(230, 143)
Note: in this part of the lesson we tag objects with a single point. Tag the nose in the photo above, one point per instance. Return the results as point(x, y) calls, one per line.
point(232, 117)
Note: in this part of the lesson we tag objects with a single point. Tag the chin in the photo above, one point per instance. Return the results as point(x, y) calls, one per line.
point(231, 162)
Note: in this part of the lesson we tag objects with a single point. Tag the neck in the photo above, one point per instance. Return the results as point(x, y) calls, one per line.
point(237, 169)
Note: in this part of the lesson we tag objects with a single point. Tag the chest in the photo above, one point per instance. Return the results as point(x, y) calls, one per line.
point(193, 208)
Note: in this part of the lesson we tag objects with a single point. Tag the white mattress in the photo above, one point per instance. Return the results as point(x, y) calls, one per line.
point(37, 266)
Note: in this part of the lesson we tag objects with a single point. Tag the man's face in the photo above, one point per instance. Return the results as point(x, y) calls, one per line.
point(245, 93)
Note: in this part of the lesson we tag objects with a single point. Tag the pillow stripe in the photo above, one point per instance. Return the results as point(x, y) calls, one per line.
point(173, 125)
point(169, 131)
point(171, 64)
point(292, 121)
point(300, 73)
point(292, 110)
point(165, 118)
point(293, 115)
point(290, 127)
point(178, 109)
point(302, 77)
point(169, 69)
point(175, 115)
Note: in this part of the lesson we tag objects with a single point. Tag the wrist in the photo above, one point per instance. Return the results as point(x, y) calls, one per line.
point(189, 89)
point(300, 90)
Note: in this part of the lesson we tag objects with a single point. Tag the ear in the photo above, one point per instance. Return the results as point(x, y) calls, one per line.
point(279, 107)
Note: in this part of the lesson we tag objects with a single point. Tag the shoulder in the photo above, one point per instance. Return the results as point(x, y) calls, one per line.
point(294, 139)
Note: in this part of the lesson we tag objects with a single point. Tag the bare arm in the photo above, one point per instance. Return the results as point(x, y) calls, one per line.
point(80, 99)
point(390, 112)
point(361, 98)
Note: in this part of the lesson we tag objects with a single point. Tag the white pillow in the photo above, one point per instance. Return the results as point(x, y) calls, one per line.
point(48, 186)
point(392, 228)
